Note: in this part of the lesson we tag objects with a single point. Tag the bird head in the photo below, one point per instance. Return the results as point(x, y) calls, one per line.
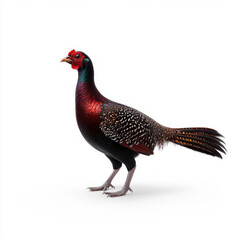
point(77, 59)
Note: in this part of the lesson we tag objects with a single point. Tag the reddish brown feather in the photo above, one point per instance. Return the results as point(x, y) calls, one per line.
point(140, 148)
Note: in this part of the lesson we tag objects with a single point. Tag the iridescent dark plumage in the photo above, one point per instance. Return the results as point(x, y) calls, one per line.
point(122, 132)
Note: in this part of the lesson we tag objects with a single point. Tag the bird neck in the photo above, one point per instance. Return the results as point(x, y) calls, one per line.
point(86, 88)
point(86, 79)
point(86, 75)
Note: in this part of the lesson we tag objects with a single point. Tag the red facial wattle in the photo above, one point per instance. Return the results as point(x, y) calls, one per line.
point(75, 66)
point(76, 58)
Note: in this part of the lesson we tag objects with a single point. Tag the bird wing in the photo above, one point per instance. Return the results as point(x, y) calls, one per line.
point(128, 127)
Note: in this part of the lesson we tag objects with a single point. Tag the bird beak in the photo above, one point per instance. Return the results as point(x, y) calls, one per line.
point(66, 59)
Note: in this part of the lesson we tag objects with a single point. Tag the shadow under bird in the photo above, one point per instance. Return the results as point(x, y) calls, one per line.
point(122, 133)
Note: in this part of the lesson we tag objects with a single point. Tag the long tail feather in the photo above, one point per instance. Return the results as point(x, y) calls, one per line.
point(205, 140)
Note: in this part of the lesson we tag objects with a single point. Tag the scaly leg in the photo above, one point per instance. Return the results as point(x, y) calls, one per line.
point(126, 186)
point(107, 184)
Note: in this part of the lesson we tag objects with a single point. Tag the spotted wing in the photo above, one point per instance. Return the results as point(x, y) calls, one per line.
point(128, 127)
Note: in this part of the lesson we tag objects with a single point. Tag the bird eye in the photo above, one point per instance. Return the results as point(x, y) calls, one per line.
point(77, 55)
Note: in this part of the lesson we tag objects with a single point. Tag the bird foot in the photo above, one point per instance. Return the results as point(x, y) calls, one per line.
point(103, 187)
point(120, 193)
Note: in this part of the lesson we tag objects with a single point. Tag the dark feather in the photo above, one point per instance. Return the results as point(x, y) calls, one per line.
point(131, 128)
point(204, 140)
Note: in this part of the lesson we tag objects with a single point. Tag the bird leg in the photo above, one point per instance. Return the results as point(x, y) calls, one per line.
point(107, 184)
point(126, 186)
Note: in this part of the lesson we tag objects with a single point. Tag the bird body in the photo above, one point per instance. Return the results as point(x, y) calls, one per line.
point(89, 104)
point(122, 132)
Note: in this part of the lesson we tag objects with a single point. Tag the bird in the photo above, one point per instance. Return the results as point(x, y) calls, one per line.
point(122, 132)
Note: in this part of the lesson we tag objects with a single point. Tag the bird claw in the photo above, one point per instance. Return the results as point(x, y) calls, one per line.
point(103, 187)
point(107, 187)
point(114, 194)
point(120, 193)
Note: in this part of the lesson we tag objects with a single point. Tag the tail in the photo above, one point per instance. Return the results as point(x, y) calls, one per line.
point(205, 140)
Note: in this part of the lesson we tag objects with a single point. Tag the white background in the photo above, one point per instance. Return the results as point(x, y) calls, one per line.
point(176, 61)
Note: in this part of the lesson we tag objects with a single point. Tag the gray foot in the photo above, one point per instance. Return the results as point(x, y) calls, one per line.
point(120, 193)
point(125, 188)
point(107, 184)
point(103, 187)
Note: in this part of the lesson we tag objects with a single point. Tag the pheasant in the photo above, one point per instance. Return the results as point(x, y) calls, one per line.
point(122, 133)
